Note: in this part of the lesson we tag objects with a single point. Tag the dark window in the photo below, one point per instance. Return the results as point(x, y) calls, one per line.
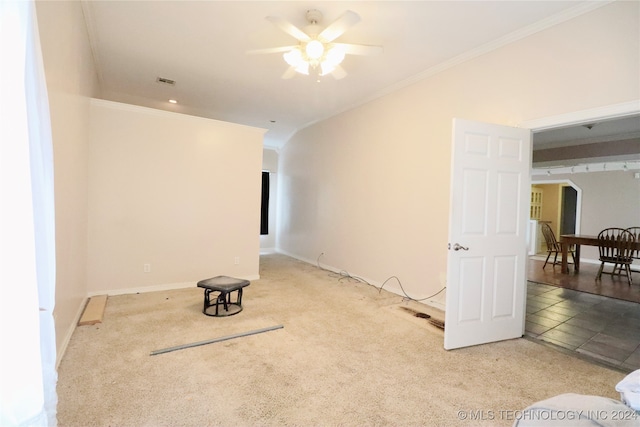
point(264, 207)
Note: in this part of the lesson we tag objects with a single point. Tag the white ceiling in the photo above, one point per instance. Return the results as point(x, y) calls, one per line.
point(202, 46)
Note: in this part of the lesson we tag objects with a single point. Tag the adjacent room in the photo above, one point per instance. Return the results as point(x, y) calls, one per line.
point(580, 188)
point(361, 171)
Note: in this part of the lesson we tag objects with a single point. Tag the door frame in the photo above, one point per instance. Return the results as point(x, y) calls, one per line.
point(607, 112)
point(570, 184)
point(614, 111)
point(575, 118)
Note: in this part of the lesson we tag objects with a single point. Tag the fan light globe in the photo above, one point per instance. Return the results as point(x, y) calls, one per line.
point(303, 68)
point(314, 49)
point(293, 57)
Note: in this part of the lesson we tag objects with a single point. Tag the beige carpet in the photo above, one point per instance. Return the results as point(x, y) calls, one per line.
point(347, 355)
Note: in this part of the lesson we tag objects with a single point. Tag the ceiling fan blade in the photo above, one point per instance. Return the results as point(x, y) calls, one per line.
point(360, 49)
point(339, 73)
point(291, 71)
point(339, 26)
point(289, 28)
point(271, 50)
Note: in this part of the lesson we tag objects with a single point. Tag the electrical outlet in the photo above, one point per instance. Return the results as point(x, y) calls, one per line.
point(147, 268)
point(236, 260)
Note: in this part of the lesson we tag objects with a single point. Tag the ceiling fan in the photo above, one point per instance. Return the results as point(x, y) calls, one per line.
point(316, 52)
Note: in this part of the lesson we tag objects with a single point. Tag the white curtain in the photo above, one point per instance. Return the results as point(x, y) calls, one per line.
point(27, 241)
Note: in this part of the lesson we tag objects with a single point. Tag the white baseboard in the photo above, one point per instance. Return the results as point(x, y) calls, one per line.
point(307, 260)
point(540, 257)
point(155, 288)
point(143, 289)
point(435, 304)
point(392, 287)
point(60, 351)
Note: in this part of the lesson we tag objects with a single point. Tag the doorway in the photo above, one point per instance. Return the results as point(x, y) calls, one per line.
point(568, 212)
point(559, 205)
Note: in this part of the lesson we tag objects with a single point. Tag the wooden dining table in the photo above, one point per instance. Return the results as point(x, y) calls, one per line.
point(568, 240)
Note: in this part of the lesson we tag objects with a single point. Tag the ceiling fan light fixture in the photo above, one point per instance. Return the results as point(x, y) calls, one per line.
point(303, 68)
point(316, 52)
point(314, 49)
point(293, 57)
point(335, 56)
point(296, 60)
point(326, 68)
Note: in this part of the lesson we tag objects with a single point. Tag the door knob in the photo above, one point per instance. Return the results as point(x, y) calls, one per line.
point(457, 247)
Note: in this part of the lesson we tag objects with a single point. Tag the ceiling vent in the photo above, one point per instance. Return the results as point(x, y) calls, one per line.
point(166, 81)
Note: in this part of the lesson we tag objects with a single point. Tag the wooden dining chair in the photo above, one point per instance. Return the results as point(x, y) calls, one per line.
point(616, 247)
point(553, 246)
point(635, 232)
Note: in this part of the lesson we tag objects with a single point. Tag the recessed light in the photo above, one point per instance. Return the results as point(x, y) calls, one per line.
point(173, 101)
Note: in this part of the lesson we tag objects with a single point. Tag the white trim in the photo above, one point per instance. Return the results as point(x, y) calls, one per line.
point(62, 349)
point(607, 112)
point(156, 288)
point(144, 289)
point(390, 288)
point(614, 111)
point(538, 257)
point(578, 197)
point(565, 15)
point(505, 40)
point(436, 304)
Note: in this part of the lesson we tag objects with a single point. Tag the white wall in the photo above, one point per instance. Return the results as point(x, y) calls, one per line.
point(176, 192)
point(609, 199)
point(369, 188)
point(71, 81)
point(270, 163)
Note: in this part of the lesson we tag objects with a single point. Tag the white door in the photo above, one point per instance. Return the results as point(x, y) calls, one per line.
point(486, 271)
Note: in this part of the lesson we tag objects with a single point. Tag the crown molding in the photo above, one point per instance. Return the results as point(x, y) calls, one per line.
point(573, 12)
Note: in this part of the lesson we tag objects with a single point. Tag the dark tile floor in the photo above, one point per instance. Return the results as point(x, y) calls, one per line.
point(595, 327)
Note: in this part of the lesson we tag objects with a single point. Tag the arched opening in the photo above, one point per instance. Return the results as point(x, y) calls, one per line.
point(557, 203)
